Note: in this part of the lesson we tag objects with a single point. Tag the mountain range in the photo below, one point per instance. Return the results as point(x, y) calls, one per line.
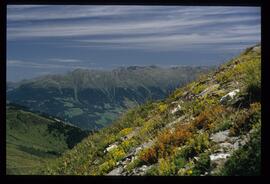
point(92, 99)
point(209, 127)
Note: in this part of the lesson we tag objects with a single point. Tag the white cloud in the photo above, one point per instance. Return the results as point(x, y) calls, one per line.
point(30, 64)
point(164, 27)
point(63, 60)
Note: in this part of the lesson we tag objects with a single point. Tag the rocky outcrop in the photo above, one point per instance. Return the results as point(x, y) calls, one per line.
point(229, 96)
point(116, 172)
point(111, 147)
point(226, 145)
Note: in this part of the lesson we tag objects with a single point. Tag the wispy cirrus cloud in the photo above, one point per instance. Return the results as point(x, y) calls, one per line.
point(64, 60)
point(36, 65)
point(170, 26)
point(63, 37)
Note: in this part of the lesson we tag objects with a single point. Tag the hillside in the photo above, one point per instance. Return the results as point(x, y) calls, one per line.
point(211, 126)
point(92, 99)
point(32, 140)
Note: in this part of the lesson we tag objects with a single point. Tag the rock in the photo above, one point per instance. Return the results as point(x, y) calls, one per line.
point(126, 161)
point(133, 158)
point(141, 170)
point(236, 145)
point(176, 109)
point(116, 172)
point(118, 163)
point(110, 147)
point(256, 49)
point(138, 149)
point(229, 96)
point(220, 136)
point(147, 144)
point(226, 146)
point(130, 154)
point(218, 156)
point(96, 162)
point(208, 90)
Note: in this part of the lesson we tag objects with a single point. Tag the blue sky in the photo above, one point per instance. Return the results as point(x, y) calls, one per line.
point(49, 39)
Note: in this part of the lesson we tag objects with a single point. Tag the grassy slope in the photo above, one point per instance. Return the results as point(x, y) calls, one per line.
point(173, 152)
point(32, 140)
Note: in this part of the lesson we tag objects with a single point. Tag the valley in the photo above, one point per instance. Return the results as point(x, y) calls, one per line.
point(92, 99)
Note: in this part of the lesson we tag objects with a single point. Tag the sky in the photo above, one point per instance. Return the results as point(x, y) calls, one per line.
point(54, 39)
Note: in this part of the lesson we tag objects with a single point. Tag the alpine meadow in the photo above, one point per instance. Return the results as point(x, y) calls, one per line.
point(133, 90)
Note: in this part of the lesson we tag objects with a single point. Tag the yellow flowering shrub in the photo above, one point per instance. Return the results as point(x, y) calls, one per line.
point(106, 166)
point(125, 132)
point(117, 153)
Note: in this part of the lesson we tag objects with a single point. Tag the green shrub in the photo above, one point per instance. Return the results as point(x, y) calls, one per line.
point(202, 165)
point(253, 80)
point(223, 125)
point(245, 120)
point(124, 132)
point(165, 167)
point(127, 144)
point(117, 153)
point(179, 161)
point(198, 88)
point(106, 166)
point(162, 107)
point(196, 145)
point(153, 171)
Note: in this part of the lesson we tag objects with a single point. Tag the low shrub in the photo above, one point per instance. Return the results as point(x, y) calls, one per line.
point(162, 107)
point(196, 145)
point(222, 125)
point(165, 167)
point(106, 166)
point(117, 154)
point(149, 155)
point(179, 161)
point(245, 119)
point(207, 118)
point(127, 144)
point(202, 165)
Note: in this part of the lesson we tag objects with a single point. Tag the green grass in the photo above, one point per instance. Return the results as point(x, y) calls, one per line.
point(33, 140)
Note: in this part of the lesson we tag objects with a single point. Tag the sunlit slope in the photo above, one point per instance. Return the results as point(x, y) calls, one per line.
point(209, 127)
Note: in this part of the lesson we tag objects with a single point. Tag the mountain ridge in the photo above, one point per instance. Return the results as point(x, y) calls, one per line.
point(209, 127)
point(33, 139)
point(92, 99)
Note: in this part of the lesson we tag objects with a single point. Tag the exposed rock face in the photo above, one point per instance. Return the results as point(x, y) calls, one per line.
point(141, 170)
point(229, 96)
point(176, 109)
point(218, 156)
point(220, 136)
point(110, 147)
point(227, 145)
point(208, 90)
point(116, 172)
